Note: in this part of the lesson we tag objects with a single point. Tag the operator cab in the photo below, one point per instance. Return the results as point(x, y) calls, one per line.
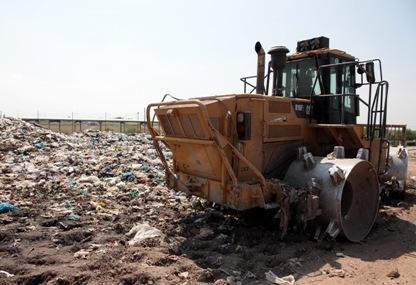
point(328, 78)
point(299, 80)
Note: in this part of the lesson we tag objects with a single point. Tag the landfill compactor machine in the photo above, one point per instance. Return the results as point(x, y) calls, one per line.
point(290, 142)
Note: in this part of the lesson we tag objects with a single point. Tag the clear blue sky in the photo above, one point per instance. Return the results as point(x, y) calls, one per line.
point(92, 57)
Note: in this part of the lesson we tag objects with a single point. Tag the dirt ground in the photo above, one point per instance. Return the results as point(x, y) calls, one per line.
point(201, 244)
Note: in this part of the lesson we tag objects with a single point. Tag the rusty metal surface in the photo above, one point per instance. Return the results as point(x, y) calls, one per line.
point(261, 61)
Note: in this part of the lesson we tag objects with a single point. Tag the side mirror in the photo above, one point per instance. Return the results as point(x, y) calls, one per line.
point(369, 72)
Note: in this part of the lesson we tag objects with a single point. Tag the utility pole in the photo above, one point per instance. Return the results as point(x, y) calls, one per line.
point(105, 121)
point(144, 119)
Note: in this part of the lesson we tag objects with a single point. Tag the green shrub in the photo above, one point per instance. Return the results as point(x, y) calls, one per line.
point(410, 135)
point(411, 143)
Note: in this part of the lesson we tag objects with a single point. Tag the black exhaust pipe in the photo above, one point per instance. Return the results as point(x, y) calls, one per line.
point(261, 59)
point(278, 62)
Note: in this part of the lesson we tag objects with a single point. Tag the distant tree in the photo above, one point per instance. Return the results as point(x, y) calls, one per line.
point(410, 134)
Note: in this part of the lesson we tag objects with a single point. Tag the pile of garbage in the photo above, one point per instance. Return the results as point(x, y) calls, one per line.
point(35, 161)
point(88, 194)
point(93, 208)
point(85, 174)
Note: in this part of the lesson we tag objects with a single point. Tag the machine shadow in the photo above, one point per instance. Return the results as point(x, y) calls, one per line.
point(246, 245)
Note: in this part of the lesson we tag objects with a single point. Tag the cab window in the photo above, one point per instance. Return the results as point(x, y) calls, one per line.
point(341, 78)
point(298, 78)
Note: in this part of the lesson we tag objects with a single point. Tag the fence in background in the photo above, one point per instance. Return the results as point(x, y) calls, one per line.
point(68, 126)
point(395, 133)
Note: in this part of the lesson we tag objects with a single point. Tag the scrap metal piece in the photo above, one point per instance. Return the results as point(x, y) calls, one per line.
point(333, 230)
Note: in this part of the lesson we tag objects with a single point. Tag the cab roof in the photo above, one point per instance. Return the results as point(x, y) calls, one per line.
point(318, 52)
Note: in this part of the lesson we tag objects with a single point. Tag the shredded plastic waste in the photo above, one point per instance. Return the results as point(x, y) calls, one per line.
point(142, 232)
point(7, 207)
point(39, 145)
point(74, 217)
point(129, 176)
point(273, 278)
point(7, 274)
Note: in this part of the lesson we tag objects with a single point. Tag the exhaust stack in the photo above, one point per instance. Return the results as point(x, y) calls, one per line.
point(260, 68)
point(278, 62)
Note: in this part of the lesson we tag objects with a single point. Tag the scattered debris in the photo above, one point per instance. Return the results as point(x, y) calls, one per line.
point(333, 272)
point(7, 207)
point(82, 253)
point(249, 275)
point(8, 275)
point(205, 233)
point(273, 278)
point(142, 232)
point(393, 274)
point(183, 275)
point(173, 257)
point(63, 226)
point(294, 263)
point(128, 176)
point(39, 145)
point(74, 217)
point(75, 209)
point(234, 280)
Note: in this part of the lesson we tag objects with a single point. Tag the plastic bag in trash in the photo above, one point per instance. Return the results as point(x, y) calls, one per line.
point(142, 232)
point(273, 278)
point(7, 207)
point(129, 176)
point(39, 145)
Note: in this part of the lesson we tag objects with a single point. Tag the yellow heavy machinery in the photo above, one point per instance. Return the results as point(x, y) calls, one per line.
point(291, 142)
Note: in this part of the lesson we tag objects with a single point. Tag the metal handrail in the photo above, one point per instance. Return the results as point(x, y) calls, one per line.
point(244, 80)
point(343, 64)
point(379, 101)
point(380, 94)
